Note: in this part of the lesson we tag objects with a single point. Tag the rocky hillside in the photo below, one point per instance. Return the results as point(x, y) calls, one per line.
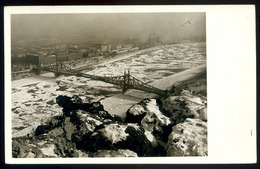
point(172, 126)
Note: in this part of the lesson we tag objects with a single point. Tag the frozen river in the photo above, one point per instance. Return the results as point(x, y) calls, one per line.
point(156, 63)
point(33, 98)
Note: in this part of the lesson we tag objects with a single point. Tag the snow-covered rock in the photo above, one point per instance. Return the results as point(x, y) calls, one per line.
point(202, 114)
point(49, 150)
point(76, 103)
point(155, 121)
point(147, 113)
point(135, 114)
point(114, 136)
point(115, 132)
point(185, 106)
point(188, 139)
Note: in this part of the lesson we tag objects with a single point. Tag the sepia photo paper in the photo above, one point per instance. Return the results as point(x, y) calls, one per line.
point(130, 84)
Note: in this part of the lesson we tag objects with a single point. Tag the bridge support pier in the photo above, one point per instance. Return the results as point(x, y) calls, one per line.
point(38, 72)
point(124, 89)
point(57, 74)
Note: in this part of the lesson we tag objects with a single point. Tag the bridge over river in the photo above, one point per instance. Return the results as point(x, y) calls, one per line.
point(126, 81)
point(120, 103)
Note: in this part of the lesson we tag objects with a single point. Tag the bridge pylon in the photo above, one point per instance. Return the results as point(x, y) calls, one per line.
point(37, 69)
point(59, 69)
point(126, 81)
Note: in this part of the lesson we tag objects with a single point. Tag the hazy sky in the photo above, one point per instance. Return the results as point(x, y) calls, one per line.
point(107, 27)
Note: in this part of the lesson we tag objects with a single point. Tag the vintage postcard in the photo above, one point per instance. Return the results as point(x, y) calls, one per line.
point(129, 84)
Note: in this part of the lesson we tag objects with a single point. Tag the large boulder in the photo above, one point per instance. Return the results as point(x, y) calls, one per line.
point(188, 139)
point(114, 136)
point(148, 113)
point(136, 113)
point(69, 129)
point(185, 106)
point(202, 114)
point(84, 123)
point(71, 104)
point(76, 103)
point(156, 122)
point(81, 122)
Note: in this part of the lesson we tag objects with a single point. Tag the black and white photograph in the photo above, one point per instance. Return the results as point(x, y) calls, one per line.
point(109, 85)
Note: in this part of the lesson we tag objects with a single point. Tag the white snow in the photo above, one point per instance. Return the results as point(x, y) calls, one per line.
point(115, 132)
point(49, 151)
point(152, 107)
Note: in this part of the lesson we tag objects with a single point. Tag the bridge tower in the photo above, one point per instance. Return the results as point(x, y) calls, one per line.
point(126, 80)
point(38, 69)
point(57, 73)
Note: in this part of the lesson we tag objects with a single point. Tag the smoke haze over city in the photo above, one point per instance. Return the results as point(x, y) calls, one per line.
point(107, 27)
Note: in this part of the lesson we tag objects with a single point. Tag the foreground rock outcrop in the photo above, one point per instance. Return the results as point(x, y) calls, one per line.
point(173, 126)
point(188, 139)
point(157, 125)
point(116, 136)
point(185, 106)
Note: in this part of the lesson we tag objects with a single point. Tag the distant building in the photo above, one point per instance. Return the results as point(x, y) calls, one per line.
point(68, 55)
point(91, 52)
point(47, 59)
point(103, 47)
point(37, 58)
point(30, 58)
